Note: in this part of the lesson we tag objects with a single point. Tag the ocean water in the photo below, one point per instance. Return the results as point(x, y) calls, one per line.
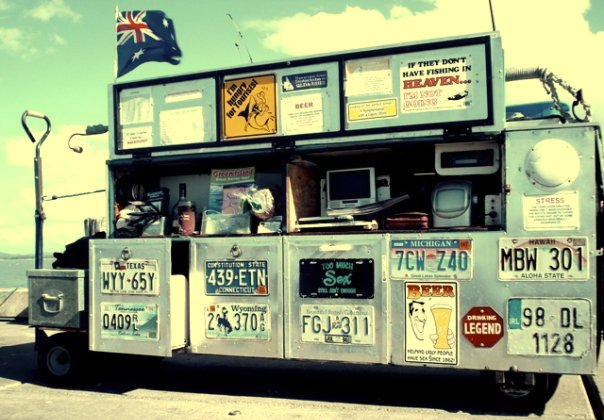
point(13, 271)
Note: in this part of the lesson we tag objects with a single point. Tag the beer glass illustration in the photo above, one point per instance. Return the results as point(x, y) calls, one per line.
point(442, 316)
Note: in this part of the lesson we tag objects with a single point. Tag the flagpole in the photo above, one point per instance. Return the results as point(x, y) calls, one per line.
point(117, 13)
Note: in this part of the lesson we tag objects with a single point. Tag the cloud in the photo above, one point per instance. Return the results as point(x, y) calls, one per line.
point(12, 40)
point(544, 33)
point(5, 5)
point(51, 9)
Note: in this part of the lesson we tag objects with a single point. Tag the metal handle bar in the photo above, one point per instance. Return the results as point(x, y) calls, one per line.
point(35, 114)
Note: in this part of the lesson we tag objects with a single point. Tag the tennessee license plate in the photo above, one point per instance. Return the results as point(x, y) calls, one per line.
point(238, 321)
point(337, 324)
point(431, 259)
point(240, 277)
point(129, 321)
point(557, 258)
point(132, 277)
point(549, 327)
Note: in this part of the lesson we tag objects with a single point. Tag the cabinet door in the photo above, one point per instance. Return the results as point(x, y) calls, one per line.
point(236, 296)
point(130, 296)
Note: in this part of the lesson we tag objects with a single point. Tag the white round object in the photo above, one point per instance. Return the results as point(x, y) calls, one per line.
point(552, 164)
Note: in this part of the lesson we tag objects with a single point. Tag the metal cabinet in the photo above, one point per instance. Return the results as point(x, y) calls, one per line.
point(133, 308)
point(236, 296)
point(336, 298)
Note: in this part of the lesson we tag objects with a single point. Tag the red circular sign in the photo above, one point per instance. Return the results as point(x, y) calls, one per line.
point(482, 326)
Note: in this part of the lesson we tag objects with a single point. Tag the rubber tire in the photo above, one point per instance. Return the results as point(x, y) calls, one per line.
point(530, 399)
point(61, 358)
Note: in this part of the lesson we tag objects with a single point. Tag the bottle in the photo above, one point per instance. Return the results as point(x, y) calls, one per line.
point(183, 213)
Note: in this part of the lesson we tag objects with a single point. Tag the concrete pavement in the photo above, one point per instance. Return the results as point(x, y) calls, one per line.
point(212, 387)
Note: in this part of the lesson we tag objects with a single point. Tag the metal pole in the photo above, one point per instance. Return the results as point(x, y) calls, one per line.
point(39, 215)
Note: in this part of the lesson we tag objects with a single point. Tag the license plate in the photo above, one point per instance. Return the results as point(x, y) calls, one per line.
point(132, 277)
point(431, 259)
point(549, 327)
point(333, 278)
point(241, 277)
point(337, 324)
point(129, 321)
point(560, 258)
point(238, 321)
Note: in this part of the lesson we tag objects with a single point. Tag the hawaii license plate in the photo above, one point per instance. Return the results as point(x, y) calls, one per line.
point(540, 259)
point(238, 277)
point(549, 327)
point(238, 321)
point(431, 259)
point(337, 324)
point(132, 277)
point(129, 321)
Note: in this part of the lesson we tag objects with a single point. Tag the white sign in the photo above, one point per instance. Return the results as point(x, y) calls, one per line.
point(302, 114)
point(551, 212)
point(371, 76)
point(431, 319)
point(136, 137)
point(181, 126)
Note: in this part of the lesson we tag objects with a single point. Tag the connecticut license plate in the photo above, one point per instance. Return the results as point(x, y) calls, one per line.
point(559, 258)
point(132, 277)
point(129, 321)
point(240, 277)
point(549, 327)
point(337, 324)
point(431, 259)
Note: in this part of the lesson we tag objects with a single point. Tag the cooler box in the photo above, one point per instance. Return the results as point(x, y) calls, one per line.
point(57, 298)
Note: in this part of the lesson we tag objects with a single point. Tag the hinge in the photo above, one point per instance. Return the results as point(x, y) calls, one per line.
point(143, 156)
point(599, 252)
point(458, 131)
point(282, 146)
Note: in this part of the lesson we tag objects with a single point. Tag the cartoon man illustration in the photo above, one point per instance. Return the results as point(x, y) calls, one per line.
point(417, 316)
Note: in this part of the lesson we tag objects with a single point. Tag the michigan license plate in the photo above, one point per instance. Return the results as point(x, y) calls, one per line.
point(337, 324)
point(431, 259)
point(129, 321)
point(238, 321)
point(549, 327)
point(240, 277)
point(132, 277)
point(543, 258)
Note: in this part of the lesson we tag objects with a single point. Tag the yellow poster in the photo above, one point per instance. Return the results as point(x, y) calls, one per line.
point(249, 107)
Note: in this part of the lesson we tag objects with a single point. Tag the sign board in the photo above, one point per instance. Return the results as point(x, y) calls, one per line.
point(482, 326)
point(249, 107)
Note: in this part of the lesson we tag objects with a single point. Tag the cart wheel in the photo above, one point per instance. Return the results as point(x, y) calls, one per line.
point(520, 390)
point(60, 358)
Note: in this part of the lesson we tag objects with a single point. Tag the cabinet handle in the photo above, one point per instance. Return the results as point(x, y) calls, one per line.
point(335, 248)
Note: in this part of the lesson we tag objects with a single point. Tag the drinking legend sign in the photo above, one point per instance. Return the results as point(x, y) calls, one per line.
point(431, 315)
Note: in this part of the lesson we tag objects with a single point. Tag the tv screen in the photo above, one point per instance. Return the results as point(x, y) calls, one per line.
point(349, 188)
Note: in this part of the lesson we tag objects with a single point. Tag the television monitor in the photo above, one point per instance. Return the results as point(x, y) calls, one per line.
point(451, 204)
point(350, 188)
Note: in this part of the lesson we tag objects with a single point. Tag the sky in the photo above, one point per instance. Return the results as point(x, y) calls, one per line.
point(58, 58)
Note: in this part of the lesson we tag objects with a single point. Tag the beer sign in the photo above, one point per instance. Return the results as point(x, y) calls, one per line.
point(431, 319)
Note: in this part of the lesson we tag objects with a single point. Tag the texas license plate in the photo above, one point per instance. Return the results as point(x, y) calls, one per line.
point(129, 321)
point(559, 258)
point(238, 321)
point(240, 277)
point(431, 259)
point(132, 277)
point(337, 324)
point(549, 327)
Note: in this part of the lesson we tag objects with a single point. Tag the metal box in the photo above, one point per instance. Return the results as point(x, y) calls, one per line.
point(336, 298)
point(132, 301)
point(236, 296)
point(57, 298)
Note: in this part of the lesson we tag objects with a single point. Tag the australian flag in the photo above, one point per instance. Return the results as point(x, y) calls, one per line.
point(144, 36)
